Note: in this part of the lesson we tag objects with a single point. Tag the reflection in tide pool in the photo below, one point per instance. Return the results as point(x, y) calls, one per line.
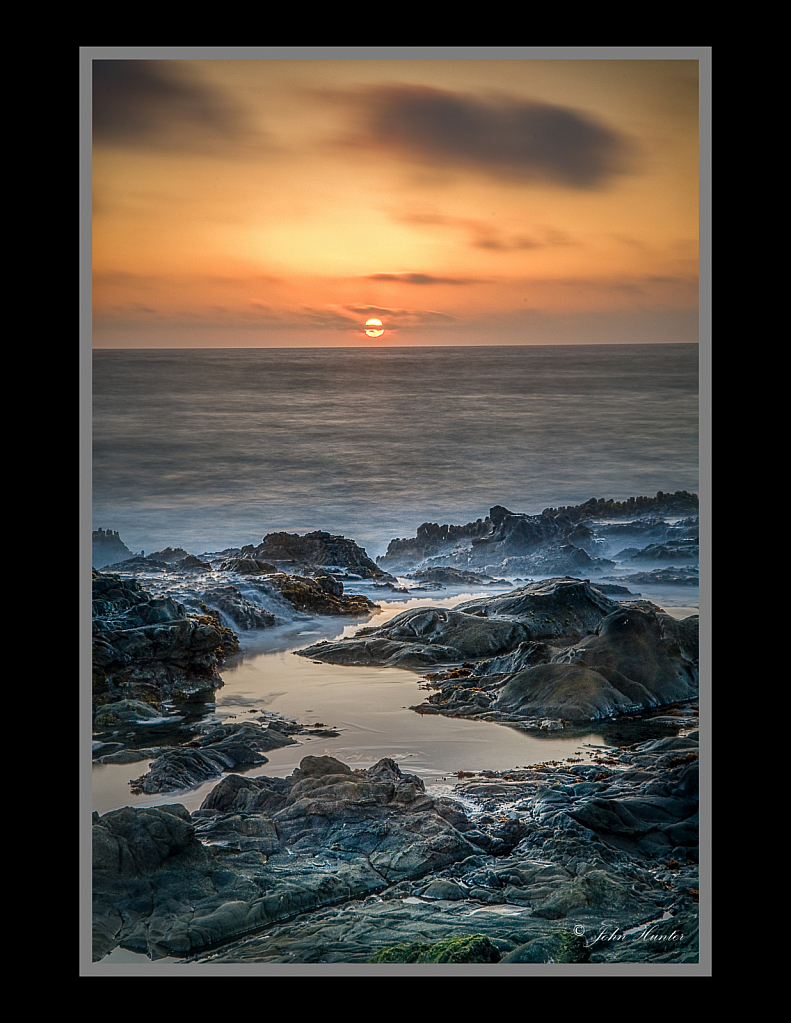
point(368, 707)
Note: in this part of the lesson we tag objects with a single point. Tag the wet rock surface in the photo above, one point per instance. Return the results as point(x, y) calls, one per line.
point(447, 576)
point(568, 862)
point(558, 650)
point(422, 636)
point(313, 553)
point(139, 639)
point(320, 595)
point(558, 541)
point(219, 748)
point(242, 612)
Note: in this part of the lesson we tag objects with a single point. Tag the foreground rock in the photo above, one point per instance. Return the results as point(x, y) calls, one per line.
point(140, 640)
point(553, 651)
point(283, 846)
point(605, 853)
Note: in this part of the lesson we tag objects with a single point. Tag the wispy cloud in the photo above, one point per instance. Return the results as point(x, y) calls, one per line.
point(405, 317)
point(482, 235)
point(414, 278)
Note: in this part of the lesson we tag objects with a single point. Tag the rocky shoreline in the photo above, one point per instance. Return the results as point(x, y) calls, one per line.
point(540, 857)
point(566, 862)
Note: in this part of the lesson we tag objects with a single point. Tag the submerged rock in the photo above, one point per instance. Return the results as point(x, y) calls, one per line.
point(447, 576)
point(228, 747)
point(248, 566)
point(670, 576)
point(242, 612)
point(673, 550)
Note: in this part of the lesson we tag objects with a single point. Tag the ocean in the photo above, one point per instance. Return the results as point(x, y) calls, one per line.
point(208, 449)
point(214, 448)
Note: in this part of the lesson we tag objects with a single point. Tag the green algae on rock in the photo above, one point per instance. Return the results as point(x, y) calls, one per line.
point(466, 948)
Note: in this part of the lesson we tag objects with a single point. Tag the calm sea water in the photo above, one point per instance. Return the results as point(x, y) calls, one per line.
point(207, 449)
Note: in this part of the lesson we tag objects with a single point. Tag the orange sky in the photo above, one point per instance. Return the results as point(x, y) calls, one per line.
point(280, 202)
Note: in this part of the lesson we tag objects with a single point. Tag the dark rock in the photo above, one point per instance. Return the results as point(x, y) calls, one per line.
point(554, 608)
point(562, 947)
point(341, 833)
point(242, 612)
point(193, 564)
point(311, 596)
point(170, 555)
point(124, 711)
point(448, 576)
point(330, 585)
point(505, 534)
point(595, 876)
point(139, 564)
point(665, 577)
point(679, 503)
point(248, 566)
point(569, 691)
point(138, 638)
point(107, 547)
point(316, 553)
point(229, 747)
point(422, 636)
point(556, 559)
point(635, 660)
point(673, 550)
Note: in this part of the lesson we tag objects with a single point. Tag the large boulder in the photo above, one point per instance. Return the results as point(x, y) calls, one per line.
point(168, 883)
point(138, 638)
point(107, 547)
point(554, 608)
point(636, 659)
point(320, 595)
point(316, 552)
point(423, 636)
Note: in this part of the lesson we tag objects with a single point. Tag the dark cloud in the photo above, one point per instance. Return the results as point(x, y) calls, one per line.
point(156, 104)
point(504, 244)
point(410, 278)
point(506, 137)
point(405, 318)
